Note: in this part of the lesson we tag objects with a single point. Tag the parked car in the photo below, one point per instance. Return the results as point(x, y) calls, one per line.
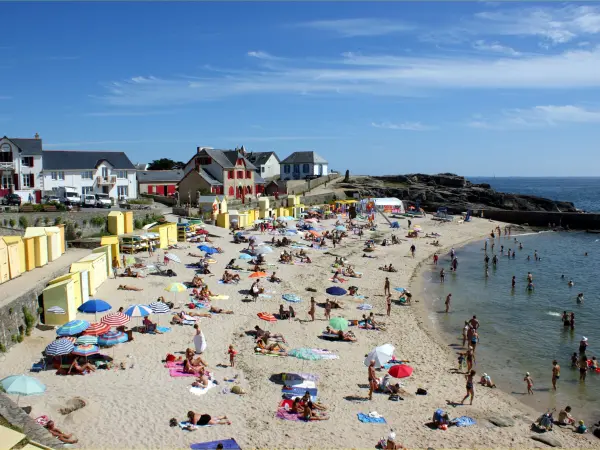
point(52, 199)
point(89, 201)
point(103, 201)
point(12, 199)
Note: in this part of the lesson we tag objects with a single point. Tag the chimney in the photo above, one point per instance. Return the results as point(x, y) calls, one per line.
point(243, 151)
point(198, 149)
point(37, 136)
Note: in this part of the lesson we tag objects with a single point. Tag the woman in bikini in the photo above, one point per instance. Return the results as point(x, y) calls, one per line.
point(205, 419)
point(470, 388)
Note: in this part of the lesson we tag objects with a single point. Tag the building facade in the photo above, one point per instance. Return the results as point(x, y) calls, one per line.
point(95, 172)
point(21, 167)
point(267, 164)
point(300, 165)
point(158, 182)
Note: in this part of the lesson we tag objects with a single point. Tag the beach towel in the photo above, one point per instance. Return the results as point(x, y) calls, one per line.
point(188, 322)
point(463, 421)
point(368, 418)
point(219, 297)
point(292, 378)
point(178, 373)
point(285, 414)
point(364, 307)
point(312, 354)
point(161, 329)
point(184, 426)
point(335, 280)
point(227, 444)
point(270, 354)
point(305, 384)
point(201, 390)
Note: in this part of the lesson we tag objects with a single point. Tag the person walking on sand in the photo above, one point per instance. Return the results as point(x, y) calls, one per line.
point(442, 275)
point(232, 354)
point(474, 340)
point(372, 379)
point(388, 301)
point(386, 286)
point(529, 382)
point(435, 259)
point(327, 309)
point(555, 373)
point(448, 298)
point(311, 311)
point(470, 387)
point(413, 249)
point(465, 333)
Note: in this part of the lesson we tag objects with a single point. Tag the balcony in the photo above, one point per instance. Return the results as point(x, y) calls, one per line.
point(7, 165)
point(110, 180)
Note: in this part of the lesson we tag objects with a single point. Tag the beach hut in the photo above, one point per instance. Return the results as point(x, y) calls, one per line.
point(13, 258)
point(106, 250)
point(75, 277)
point(116, 223)
point(54, 244)
point(17, 240)
point(95, 264)
point(61, 295)
point(63, 245)
point(84, 277)
point(4, 269)
point(40, 245)
point(28, 244)
point(167, 233)
point(128, 221)
point(113, 241)
point(263, 208)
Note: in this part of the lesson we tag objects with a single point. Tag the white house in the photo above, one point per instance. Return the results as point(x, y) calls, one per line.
point(109, 173)
point(21, 167)
point(267, 163)
point(300, 165)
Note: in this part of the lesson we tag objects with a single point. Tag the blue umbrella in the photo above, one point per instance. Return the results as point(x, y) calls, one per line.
point(138, 311)
point(399, 289)
point(73, 327)
point(87, 340)
point(293, 298)
point(159, 308)
point(245, 256)
point(112, 338)
point(211, 251)
point(334, 290)
point(86, 350)
point(204, 247)
point(22, 385)
point(94, 306)
point(59, 347)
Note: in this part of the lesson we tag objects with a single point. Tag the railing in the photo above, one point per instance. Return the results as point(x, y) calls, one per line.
point(112, 179)
point(7, 165)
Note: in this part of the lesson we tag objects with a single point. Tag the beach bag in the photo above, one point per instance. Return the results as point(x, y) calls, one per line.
point(421, 391)
point(170, 357)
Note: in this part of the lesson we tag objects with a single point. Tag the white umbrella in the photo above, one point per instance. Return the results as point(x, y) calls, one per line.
point(173, 257)
point(381, 355)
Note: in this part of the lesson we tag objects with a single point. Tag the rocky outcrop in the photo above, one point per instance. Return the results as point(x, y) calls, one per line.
point(451, 191)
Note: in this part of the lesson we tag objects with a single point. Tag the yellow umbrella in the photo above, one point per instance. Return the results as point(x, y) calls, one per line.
point(175, 288)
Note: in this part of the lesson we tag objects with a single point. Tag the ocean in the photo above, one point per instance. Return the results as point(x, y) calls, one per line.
point(522, 331)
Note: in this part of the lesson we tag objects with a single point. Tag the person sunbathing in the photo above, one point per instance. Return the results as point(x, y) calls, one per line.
point(80, 369)
point(274, 279)
point(205, 292)
point(150, 326)
point(205, 419)
point(270, 352)
point(195, 255)
point(391, 268)
point(215, 310)
point(351, 273)
point(193, 365)
point(309, 414)
point(283, 314)
point(202, 381)
point(230, 278)
point(126, 287)
point(486, 380)
point(130, 273)
point(316, 405)
point(197, 281)
point(346, 336)
point(218, 249)
point(198, 314)
point(272, 347)
point(66, 438)
point(258, 268)
point(367, 323)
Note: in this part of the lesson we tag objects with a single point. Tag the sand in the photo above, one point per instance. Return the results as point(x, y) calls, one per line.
point(131, 408)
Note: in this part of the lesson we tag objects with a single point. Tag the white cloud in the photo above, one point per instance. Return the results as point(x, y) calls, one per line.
point(261, 55)
point(538, 116)
point(128, 113)
point(404, 126)
point(494, 47)
point(359, 27)
point(353, 74)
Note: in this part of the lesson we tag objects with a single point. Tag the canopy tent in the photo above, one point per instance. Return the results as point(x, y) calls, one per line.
point(387, 204)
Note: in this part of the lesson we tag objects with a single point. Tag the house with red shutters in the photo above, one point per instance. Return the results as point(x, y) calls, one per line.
point(158, 182)
point(220, 172)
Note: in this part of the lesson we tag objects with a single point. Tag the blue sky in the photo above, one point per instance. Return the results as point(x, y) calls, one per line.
point(475, 88)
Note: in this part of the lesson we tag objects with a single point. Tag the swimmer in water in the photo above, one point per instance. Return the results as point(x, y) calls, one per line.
point(585, 254)
point(535, 255)
point(530, 286)
point(580, 297)
point(502, 249)
point(487, 272)
point(529, 277)
point(565, 319)
point(562, 276)
point(570, 283)
point(528, 258)
point(514, 282)
point(495, 260)
point(520, 246)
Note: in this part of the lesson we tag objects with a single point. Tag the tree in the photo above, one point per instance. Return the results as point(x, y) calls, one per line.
point(165, 164)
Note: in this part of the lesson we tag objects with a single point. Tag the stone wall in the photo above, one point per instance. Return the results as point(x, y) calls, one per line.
point(575, 221)
point(301, 186)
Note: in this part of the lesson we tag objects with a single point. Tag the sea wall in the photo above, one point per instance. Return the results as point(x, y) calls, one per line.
point(575, 221)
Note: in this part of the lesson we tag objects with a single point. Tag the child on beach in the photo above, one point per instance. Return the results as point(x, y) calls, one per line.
point(232, 354)
point(461, 361)
point(529, 382)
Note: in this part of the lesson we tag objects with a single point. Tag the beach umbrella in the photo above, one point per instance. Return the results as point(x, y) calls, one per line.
point(130, 260)
point(245, 256)
point(381, 355)
point(22, 385)
point(335, 290)
point(94, 306)
point(86, 350)
point(263, 250)
point(97, 328)
point(112, 338)
point(138, 311)
point(257, 275)
point(399, 289)
point(59, 347)
point(56, 310)
point(117, 319)
point(159, 308)
point(172, 257)
point(73, 327)
point(292, 298)
point(266, 316)
point(338, 323)
point(70, 339)
point(204, 248)
point(176, 287)
point(400, 371)
point(88, 339)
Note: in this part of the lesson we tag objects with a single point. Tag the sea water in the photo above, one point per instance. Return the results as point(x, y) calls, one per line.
point(522, 331)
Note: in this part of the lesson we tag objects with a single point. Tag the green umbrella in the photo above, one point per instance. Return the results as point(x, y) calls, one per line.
point(338, 323)
point(22, 385)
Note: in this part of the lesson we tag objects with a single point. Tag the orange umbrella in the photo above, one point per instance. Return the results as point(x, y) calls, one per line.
point(258, 275)
point(315, 233)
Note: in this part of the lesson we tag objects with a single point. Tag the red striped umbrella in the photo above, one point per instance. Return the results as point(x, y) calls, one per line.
point(115, 319)
point(96, 329)
point(70, 338)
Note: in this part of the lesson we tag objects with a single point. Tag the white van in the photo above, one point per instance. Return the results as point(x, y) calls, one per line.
point(103, 201)
point(89, 201)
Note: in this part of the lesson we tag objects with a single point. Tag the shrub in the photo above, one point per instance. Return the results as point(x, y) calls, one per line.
point(23, 223)
point(140, 201)
point(58, 220)
point(46, 220)
point(37, 221)
point(12, 223)
point(20, 338)
point(13, 338)
point(138, 224)
point(98, 221)
point(84, 222)
point(2, 348)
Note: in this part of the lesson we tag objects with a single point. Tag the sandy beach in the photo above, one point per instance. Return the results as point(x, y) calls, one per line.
point(131, 408)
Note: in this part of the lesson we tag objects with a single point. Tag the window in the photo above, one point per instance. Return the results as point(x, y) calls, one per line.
point(230, 175)
point(87, 175)
point(122, 191)
point(286, 168)
point(27, 180)
point(248, 174)
point(105, 172)
point(6, 182)
point(296, 168)
point(27, 161)
point(87, 190)
point(240, 174)
point(204, 161)
point(121, 174)
point(305, 168)
point(61, 175)
point(231, 191)
point(262, 169)
point(54, 175)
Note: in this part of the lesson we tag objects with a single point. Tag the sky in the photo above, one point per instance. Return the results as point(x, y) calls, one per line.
point(474, 88)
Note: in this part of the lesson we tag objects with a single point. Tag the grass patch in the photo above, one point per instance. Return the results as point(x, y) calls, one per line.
point(140, 201)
